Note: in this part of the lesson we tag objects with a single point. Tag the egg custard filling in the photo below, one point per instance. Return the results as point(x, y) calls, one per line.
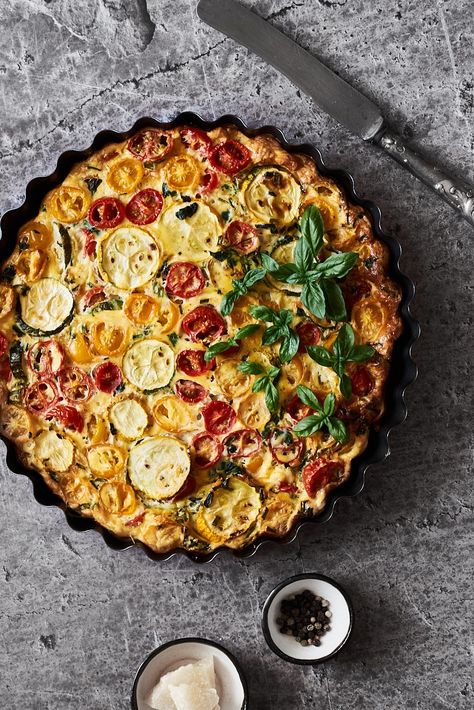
point(195, 335)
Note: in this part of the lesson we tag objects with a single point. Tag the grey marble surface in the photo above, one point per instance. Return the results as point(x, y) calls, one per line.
point(78, 618)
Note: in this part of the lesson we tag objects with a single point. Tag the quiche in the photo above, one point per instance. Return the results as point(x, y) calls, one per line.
point(195, 334)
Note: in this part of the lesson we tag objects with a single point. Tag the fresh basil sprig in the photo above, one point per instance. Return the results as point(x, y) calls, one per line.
point(324, 417)
point(264, 383)
point(240, 288)
point(224, 345)
point(320, 294)
point(344, 350)
point(280, 329)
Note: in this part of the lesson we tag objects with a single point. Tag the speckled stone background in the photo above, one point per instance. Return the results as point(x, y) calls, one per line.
point(78, 618)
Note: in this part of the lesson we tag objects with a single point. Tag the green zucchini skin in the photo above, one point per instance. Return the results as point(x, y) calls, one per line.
point(16, 361)
point(67, 244)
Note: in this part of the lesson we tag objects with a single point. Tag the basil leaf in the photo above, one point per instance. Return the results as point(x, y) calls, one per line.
point(309, 425)
point(289, 273)
point(260, 384)
point(268, 262)
point(302, 255)
point(309, 398)
point(312, 228)
point(263, 313)
point(335, 305)
point(361, 353)
point(329, 404)
point(251, 368)
point(345, 385)
point(272, 399)
point(344, 343)
point(246, 331)
point(273, 372)
point(312, 297)
point(228, 302)
point(320, 355)
point(285, 317)
point(271, 335)
point(252, 276)
point(289, 346)
point(337, 265)
point(218, 348)
point(337, 429)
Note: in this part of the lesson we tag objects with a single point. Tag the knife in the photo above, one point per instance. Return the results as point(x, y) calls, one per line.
point(332, 94)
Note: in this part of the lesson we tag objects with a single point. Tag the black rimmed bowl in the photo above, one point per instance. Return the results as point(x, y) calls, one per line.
point(230, 681)
point(341, 620)
point(402, 372)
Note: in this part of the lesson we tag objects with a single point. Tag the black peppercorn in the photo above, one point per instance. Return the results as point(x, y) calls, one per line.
point(307, 615)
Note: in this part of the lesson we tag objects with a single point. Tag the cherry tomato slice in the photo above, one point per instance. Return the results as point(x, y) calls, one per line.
point(297, 409)
point(195, 139)
point(137, 520)
point(192, 362)
point(5, 369)
point(151, 144)
point(184, 280)
point(242, 443)
point(45, 357)
point(285, 447)
point(219, 417)
point(204, 324)
point(145, 206)
point(107, 377)
point(287, 487)
point(229, 157)
point(242, 236)
point(318, 473)
point(90, 244)
point(93, 296)
point(106, 212)
point(188, 487)
point(74, 384)
point(3, 344)
point(309, 334)
point(209, 181)
point(68, 416)
point(207, 450)
point(41, 396)
point(362, 382)
point(190, 391)
point(354, 290)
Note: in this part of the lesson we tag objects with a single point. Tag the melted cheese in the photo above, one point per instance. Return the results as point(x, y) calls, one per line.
point(46, 305)
point(54, 451)
point(148, 364)
point(158, 466)
point(129, 418)
point(129, 257)
point(191, 237)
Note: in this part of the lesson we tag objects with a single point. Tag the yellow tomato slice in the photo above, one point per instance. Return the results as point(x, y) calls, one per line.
point(108, 338)
point(231, 512)
point(172, 414)
point(118, 497)
point(182, 172)
point(253, 411)
point(231, 381)
point(7, 300)
point(31, 264)
point(141, 309)
point(97, 429)
point(79, 349)
point(124, 175)
point(106, 460)
point(291, 374)
point(79, 491)
point(69, 204)
point(15, 423)
point(160, 532)
point(34, 235)
point(368, 319)
point(167, 315)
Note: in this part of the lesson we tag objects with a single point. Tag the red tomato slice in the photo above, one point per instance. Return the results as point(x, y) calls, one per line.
point(5, 369)
point(204, 324)
point(309, 334)
point(184, 280)
point(192, 362)
point(318, 473)
point(296, 409)
point(137, 520)
point(209, 181)
point(93, 296)
point(107, 377)
point(219, 417)
point(45, 356)
point(68, 416)
point(41, 396)
point(74, 384)
point(207, 450)
point(190, 391)
point(195, 139)
point(3, 344)
point(285, 447)
point(106, 212)
point(242, 236)
point(188, 487)
point(354, 290)
point(229, 157)
point(242, 443)
point(90, 244)
point(145, 206)
point(362, 382)
point(287, 487)
point(151, 144)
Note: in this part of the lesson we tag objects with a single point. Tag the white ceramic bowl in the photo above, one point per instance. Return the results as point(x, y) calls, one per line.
point(230, 682)
point(331, 642)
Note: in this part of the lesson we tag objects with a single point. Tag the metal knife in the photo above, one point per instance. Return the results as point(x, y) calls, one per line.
point(332, 94)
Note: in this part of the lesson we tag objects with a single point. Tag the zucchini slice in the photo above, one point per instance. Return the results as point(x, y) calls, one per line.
point(158, 466)
point(228, 512)
point(128, 257)
point(192, 235)
point(46, 308)
point(272, 195)
point(148, 364)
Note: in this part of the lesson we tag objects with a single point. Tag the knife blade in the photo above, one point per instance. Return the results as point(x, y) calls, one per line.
point(332, 94)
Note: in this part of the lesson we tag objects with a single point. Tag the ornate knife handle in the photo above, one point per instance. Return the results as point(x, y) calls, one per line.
point(459, 194)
